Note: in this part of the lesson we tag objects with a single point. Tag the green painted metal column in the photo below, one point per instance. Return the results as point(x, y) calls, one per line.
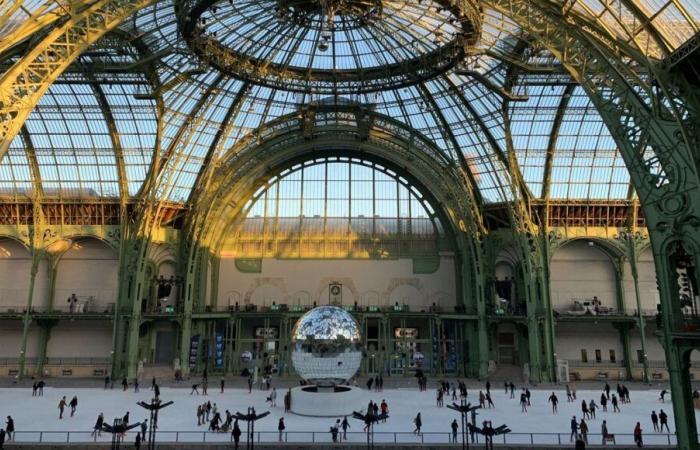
point(640, 316)
point(623, 329)
point(28, 313)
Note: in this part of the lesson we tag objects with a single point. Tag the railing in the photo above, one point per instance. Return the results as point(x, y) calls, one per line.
point(58, 361)
point(58, 309)
point(311, 437)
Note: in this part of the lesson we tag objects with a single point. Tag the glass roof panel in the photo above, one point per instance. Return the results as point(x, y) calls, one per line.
point(72, 143)
point(15, 174)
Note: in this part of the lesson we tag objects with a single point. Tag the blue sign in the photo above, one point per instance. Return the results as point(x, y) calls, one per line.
point(194, 348)
point(219, 350)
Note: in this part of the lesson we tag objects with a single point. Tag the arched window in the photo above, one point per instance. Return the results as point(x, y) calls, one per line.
point(338, 207)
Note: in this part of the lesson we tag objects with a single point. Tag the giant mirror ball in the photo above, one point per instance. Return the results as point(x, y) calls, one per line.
point(326, 346)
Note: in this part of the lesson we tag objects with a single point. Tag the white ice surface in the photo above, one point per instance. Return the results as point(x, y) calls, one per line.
point(41, 413)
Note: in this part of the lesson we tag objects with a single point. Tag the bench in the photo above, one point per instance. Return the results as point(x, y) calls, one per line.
point(609, 438)
point(657, 376)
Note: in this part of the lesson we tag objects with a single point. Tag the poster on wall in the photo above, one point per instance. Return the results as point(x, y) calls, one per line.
point(194, 347)
point(219, 350)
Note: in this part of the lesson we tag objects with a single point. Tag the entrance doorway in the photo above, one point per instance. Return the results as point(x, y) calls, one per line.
point(165, 347)
point(506, 348)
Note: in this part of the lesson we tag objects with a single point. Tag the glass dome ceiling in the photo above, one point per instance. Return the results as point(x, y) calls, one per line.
point(96, 132)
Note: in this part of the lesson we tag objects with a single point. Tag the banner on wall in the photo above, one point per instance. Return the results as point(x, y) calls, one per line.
point(194, 347)
point(219, 350)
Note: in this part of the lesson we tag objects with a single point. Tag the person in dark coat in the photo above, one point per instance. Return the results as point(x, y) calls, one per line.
point(455, 428)
point(655, 420)
point(2, 438)
point(10, 429)
point(554, 401)
point(236, 434)
point(280, 428)
point(97, 429)
point(419, 423)
point(73, 405)
point(125, 384)
point(663, 419)
point(137, 442)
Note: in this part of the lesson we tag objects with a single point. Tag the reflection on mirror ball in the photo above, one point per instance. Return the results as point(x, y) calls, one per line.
point(326, 346)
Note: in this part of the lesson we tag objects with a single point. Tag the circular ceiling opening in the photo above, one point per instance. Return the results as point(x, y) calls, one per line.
point(331, 46)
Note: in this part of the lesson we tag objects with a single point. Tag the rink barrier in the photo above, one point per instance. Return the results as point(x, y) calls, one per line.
point(324, 437)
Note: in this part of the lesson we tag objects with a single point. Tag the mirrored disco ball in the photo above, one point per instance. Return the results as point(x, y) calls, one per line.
point(326, 346)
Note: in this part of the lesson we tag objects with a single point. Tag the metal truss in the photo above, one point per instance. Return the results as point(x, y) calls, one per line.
point(22, 86)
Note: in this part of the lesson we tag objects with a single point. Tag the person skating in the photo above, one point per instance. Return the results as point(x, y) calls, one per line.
point(195, 388)
point(221, 384)
point(153, 383)
point(287, 401)
point(663, 419)
point(250, 383)
point(554, 401)
point(606, 389)
point(439, 398)
point(381, 383)
point(523, 402)
point(61, 406)
point(156, 391)
point(73, 405)
point(10, 429)
point(199, 415)
point(512, 389)
point(489, 401)
point(638, 435)
point(604, 402)
point(569, 398)
point(41, 385)
point(385, 410)
point(273, 397)
point(205, 384)
point(345, 425)
point(482, 399)
point(369, 383)
point(214, 423)
point(137, 441)
point(662, 396)
point(604, 431)
point(207, 410)
point(454, 427)
point(97, 429)
point(236, 434)
point(583, 429)
point(584, 409)
point(528, 394)
point(419, 423)
point(136, 384)
point(280, 428)
point(614, 403)
point(125, 384)
point(655, 421)
point(144, 430)
point(35, 388)
point(125, 419)
point(2, 438)
point(106, 382)
point(591, 409)
point(574, 428)
point(505, 387)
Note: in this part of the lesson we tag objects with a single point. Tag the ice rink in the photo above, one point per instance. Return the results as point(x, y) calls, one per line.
point(41, 414)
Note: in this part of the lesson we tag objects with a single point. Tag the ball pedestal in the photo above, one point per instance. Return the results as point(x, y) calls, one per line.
point(320, 401)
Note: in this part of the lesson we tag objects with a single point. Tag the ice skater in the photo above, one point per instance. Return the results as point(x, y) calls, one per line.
point(554, 401)
point(221, 383)
point(10, 428)
point(583, 429)
point(73, 405)
point(61, 406)
point(523, 402)
point(419, 423)
point(638, 435)
point(569, 397)
point(662, 396)
point(614, 403)
point(604, 431)
point(125, 384)
point(97, 429)
point(136, 384)
point(604, 402)
point(345, 425)
point(454, 427)
point(41, 385)
point(144, 430)
point(663, 419)
point(574, 428)
point(195, 388)
point(655, 421)
point(489, 401)
point(584, 409)
point(236, 434)
point(280, 429)
point(591, 409)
